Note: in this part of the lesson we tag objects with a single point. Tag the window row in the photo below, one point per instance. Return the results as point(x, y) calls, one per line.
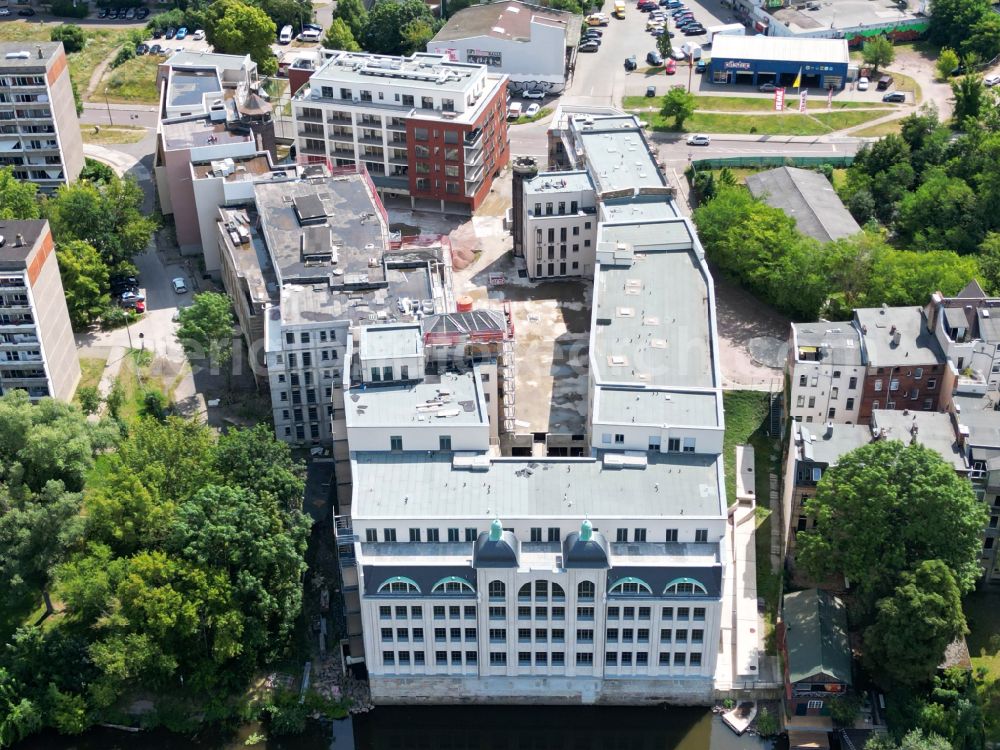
point(306, 337)
point(454, 613)
point(573, 207)
point(677, 659)
point(641, 635)
point(433, 535)
point(447, 585)
point(418, 658)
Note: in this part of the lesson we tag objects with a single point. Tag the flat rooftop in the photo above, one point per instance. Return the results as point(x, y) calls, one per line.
point(809, 198)
point(188, 88)
point(652, 407)
point(12, 54)
point(916, 344)
point(448, 399)
point(421, 485)
point(838, 343)
point(198, 131)
point(843, 14)
point(245, 168)
point(211, 59)
point(12, 257)
point(649, 208)
point(781, 49)
point(932, 430)
point(652, 320)
point(558, 182)
point(825, 444)
point(250, 259)
point(977, 413)
point(504, 20)
point(618, 155)
point(422, 69)
point(390, 341)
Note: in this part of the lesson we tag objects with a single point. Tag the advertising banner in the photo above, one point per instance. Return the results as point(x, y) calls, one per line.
point(779, 100)
point(802, 100)
point(484, 57)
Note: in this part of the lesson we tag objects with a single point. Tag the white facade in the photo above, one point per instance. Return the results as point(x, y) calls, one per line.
point(528, 43)
point(560, 236)
point(826, 372)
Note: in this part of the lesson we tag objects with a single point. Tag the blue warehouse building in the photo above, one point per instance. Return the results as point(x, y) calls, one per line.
point(755, 60)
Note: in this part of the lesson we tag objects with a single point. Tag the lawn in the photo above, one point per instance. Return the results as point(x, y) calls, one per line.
point(882, 129)
point(92, 368)
point(524, 120)
point(735, 103)
point(101, 42)
point(849, 119)
point(982, 611)
point(134, 81)
point(710, 122)
point(112, 135)
point(746, 415)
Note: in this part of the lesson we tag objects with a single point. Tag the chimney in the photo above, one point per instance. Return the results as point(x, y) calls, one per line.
point(19, 240)
point(40, 55)
point(896, 338)
point(829, 430)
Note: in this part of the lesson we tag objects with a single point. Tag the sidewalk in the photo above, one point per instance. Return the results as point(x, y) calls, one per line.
point(119, 161)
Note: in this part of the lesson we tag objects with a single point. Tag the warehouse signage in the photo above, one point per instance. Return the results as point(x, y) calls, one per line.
point(484, 57)
point(737, 64)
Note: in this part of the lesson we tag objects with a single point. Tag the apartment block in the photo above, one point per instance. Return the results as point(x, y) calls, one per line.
point(426, 129)
point(210, 111)
point(560, 218)
point(37, 349)
point(39, 129)
point(474, 576)
point(826, 372)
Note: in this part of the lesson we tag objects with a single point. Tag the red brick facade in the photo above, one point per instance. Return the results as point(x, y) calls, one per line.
point(437, 168)
point(913, 386)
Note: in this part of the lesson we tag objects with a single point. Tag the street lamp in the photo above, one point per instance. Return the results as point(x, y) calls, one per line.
point(108, 105)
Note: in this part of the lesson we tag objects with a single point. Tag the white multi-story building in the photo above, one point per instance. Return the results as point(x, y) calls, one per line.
point(39, 130)
point(826, 369)
point(425, 128)
point(560, 232)
point(469, 576)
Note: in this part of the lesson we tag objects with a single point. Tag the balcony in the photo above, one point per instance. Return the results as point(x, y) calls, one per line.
point(473, 137)
point(371, 140)
point(311, 131)
point(339, 118)
point(342, 136)
point(396, 125)
point(313, 115)
point(474, 173)
point(315, 150)
point(342, 153)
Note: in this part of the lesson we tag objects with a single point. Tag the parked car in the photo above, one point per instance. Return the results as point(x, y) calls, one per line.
point(589, 46)
point(171, 32)
point(26, 12)
point(651, 91)
point(588, 36)
point(884, 83)
point(533, 94)
point(991, 81)
point(700, 66)
point(630, 63)
point(593, 32)
point(102, 13)
point(312, 26)
point(113, 13)
point(141, 13)
point(141, 49)
point(309, 35)
point(180, 285)
point(130, 14)
point(863, 83)
point(157, 34)
point(671, 67)
point(4, 11)
point(958, 71)
point(766, 87)
point(698, 140)
point(140, 306)
point(899, 96)
point(677, 53)
point(653, 58)
point(199, 35)
point(694, 30)
point(532, 110)
point(156, 49)
point(182, 32)
point(659, 31)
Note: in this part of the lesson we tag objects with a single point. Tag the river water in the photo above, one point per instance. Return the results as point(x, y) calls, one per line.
point(458, 728)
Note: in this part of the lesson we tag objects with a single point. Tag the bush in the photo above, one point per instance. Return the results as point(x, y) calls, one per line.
point(154, 404)
point(96, 171)
point(70, 35)
point(125, 54)
point(844, 709)
point(285, 715)
point(767, 723)
point(89, 398)
point(66, 9)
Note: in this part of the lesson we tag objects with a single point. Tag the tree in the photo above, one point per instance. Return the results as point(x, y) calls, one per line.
point(989, 262)
point(947, 62)
point(884, 509)
point(95, 171)
point(984, 37)
point(383, 31)
point(17, 199)
point(254, 460)
point(206, 329)
point(339, 36)
point(913, 740)
point(941, 213)
point(353, 13)
point(951, 20)
point(90, 399)
point(416, 34)
point(70, 35)
point(914, 625)
point(678, 104)
point(108, 216)
point(85, 282)
point(664, 46)
point(969, 94)
point(287, 12)
point(236, 28)
point(878, 52)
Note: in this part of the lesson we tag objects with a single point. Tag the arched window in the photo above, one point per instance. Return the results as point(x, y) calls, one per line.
point(399, 585)
point(631, 586)
point(558, 595)
point(497, 590)
point(524, 595)
point(453, 585)
point(541, 590)
point(685, 587)
point(585, 591)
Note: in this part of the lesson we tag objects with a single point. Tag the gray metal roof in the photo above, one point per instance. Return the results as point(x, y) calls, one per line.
point(391, 341)
point(550, 182)
point(13, 257)
point(508, 19)
point(593, 554)
point(917, 346)
point(978, 414)
point(780, 49)
point(640, 208)
point(989, 324)
point(806, 196)
point(930, 429)
point(456, 399)
point(504, 552)
point(24, 64)
point(825, 444)
point(656, 407)
point(652, 321)
point(619, 156)
point(837, 343)
point(422, 485)
point(955, 317)
point(816, 636)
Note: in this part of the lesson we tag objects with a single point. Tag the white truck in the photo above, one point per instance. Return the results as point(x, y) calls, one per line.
point(728, 29)
point(691, 50)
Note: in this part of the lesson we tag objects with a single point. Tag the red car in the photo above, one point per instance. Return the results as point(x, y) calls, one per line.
point(140, 306)
point(671, 67)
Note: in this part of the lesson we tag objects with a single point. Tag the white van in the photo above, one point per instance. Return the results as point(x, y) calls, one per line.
point(285, 37)
point(514, 111)
point(309, 35)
